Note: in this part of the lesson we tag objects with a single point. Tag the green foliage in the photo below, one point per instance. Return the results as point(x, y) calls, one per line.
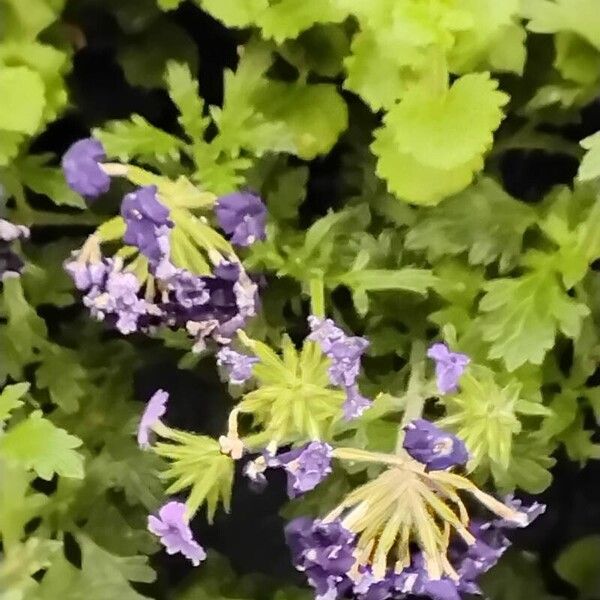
point(576, 565)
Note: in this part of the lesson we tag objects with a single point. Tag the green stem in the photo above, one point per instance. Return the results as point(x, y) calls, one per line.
point(414, 397)
point(317, 297)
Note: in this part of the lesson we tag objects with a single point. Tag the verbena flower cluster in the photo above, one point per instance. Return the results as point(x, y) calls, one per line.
point(210, 306)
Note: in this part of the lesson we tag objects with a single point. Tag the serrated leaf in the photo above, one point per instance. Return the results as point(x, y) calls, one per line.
point(234, 13)
point(48, 181)
point(483, 221)
point(22, 93)
point(287, 18)
point(448, 130)
point(38, 444)
point(137, 138)
point(183, 89)
point(416, 182)
point(523, 315)
point(589, 168)
point(313, 115)
point(578, 16)
point(62, 374)
point(10, 398)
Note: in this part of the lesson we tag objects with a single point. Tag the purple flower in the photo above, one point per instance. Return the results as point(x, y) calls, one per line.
point(10, 262)
point(237, 366)
point(345, 352)
point(189, 290)
point(243, 216)
point(175, 534)
point(155, 409)
point(433, 447)
point(324, 551)
point(147, 223)
point(325, 332)
point(527, 513)
point(449, 366)
point(116, 299)
point(355, 404)
point(86, 275)
point(81, 166)
point(306, 466)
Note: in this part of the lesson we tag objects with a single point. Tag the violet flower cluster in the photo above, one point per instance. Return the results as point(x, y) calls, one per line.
point(326, 552)
point(208, 307)
point(345, 353)
point(10, 262)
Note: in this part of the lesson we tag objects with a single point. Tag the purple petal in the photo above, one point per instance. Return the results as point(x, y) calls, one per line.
point(81, 166)
point(155, 409)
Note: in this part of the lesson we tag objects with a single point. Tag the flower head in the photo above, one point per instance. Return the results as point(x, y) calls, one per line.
point(86, 275)
point(116, 298)
point(345, 354)
point(449, 366)
point(432, 446)
point(306, 467)
point(147, 223)
point(324, 551)
point(155, 409)
point(243, 216)
point(81, 166)
point(238, 366)
point(171, 526)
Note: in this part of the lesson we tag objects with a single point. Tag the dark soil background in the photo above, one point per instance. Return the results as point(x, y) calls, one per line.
point(251, 536)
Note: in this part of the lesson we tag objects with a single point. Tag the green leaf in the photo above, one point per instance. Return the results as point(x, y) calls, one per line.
point(447, 131)
point(64, 377)
point(579, 566)
point(183, 89)
point(38, 444)
point(550, 16)
point(21, 563)
point(10, 398)
point(25, 330)
point(48, 181)
point(524, 314)
point(287, 18)
point(589, 168)
point(137, 138)
point(103, 576)
point(313, 116)
point(412, 280)
point(234, 13)
point(144, 60)
point(22, 93)
point(483, 221)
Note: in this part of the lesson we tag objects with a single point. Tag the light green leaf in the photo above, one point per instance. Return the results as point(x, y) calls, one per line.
point(38, 444)
point(62, 374)
point(137, 138)
point(589, 168)
point(183, 89)
point(313, 115)
point(449, 130)
point(524, 314)
point(413, 280)
point(287, 18)
point(48, 181)
point(234, 13)
point(483, 220)
point(10, 398)
point(22, 93)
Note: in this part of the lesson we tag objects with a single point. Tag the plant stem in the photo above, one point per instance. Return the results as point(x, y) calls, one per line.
point(415, 399)
point(317, 297)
